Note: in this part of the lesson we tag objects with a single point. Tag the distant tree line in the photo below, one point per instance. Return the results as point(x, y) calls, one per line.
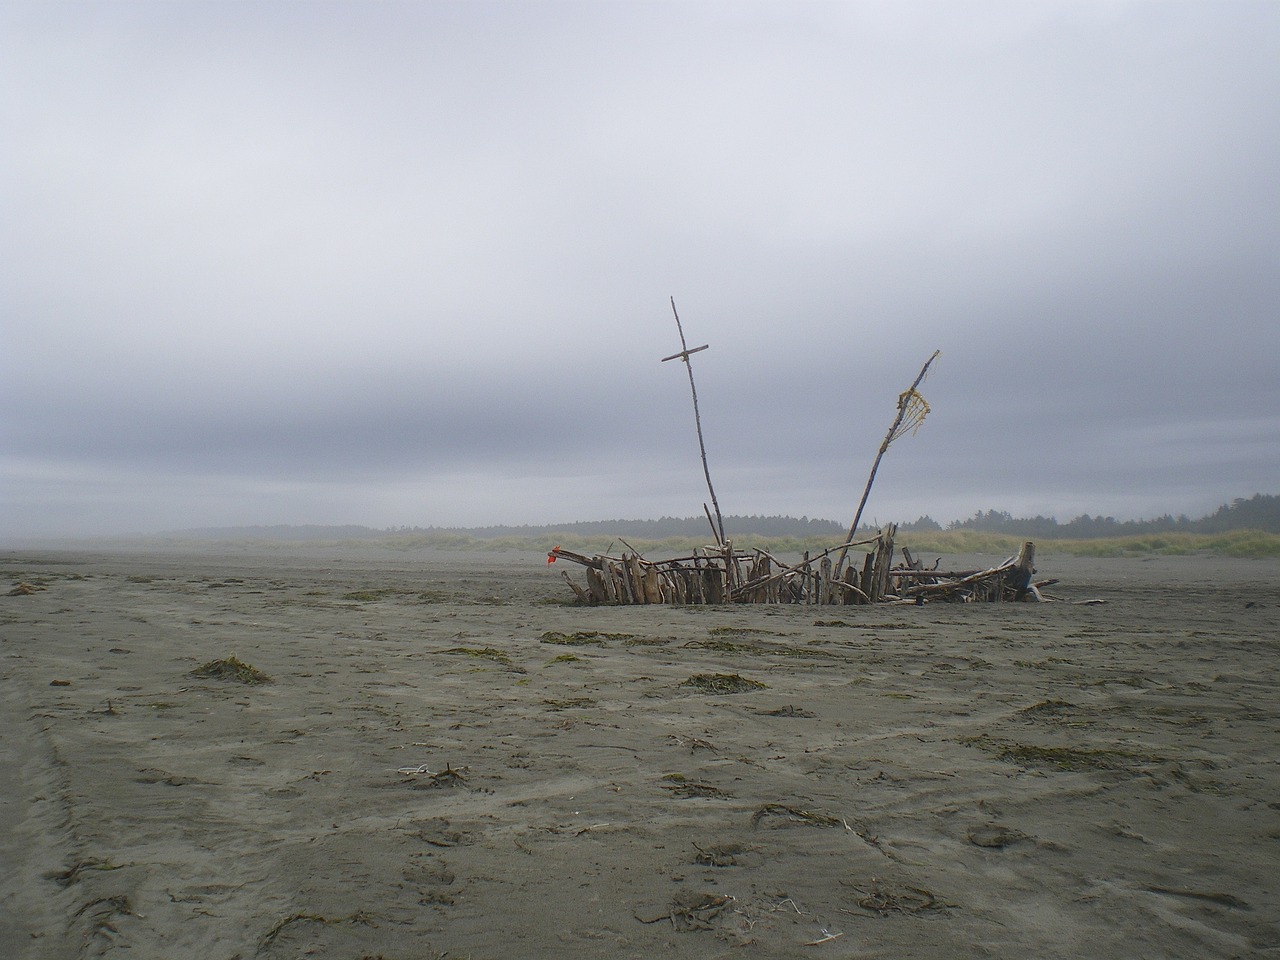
point(665, 527)
point(1259, 512)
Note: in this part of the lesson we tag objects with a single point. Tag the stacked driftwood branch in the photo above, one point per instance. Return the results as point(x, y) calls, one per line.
point(721, 574)
point(1007, 581)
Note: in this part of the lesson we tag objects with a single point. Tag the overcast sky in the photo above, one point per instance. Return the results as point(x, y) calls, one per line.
point(410, 263)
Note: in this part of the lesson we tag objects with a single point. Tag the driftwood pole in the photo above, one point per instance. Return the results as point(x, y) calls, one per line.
point(684, 355)
point(905, 403)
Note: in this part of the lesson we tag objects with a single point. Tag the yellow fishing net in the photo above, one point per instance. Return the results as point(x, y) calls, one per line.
point(914, 409)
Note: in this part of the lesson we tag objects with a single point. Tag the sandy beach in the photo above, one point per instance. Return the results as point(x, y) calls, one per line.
point(449, 759)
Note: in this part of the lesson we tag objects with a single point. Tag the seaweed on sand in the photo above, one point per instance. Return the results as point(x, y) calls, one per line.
point(722, 683)
point(483, 653)
point(232, 668)
point(582, 637)
point(1062, 757)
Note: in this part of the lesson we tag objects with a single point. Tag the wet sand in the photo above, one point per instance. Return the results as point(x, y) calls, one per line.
point(428, 774)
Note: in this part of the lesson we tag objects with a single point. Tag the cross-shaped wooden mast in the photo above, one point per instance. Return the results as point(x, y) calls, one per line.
point(718, 528)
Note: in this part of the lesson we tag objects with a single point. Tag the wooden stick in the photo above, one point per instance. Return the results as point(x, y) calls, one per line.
point(633, 550)
point(956, 584)
point(684, 355)
point(786, 571)
point(715, 533)
point(931, 574)
point(903, 401)
point(577, 590)
point(1023, 568)
point(562, 553)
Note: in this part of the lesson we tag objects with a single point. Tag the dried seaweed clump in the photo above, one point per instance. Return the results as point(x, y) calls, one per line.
point(1062, 757)
point(482, 653)
point(232, 668)
point(582, 637)
point(722, 683)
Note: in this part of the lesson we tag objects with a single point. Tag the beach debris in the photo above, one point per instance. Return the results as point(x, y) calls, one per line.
point(789, 710)
point(693, 743)
point(692, 911)
point(415, 771)
point(722, 683)
point(722, 854)
point(827, 937)
point(886, 898)
point(582, 638)
point(25, 589)
point(448, 777)
point(231, 668)
point(720, 574)
point(682, 786)
point(791, 814)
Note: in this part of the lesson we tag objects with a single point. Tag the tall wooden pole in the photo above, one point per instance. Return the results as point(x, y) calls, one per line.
point(904, 401)
point(697, 418)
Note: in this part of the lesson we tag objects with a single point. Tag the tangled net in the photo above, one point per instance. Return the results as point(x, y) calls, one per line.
point(914, 409)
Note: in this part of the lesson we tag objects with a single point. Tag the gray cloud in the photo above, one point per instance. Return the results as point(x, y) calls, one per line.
point(409, 263)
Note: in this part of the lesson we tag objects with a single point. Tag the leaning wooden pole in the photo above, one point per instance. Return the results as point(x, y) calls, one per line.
point(904, 404)
point(697, 418)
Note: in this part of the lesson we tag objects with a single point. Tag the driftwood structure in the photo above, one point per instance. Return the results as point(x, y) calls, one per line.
point(720, 574)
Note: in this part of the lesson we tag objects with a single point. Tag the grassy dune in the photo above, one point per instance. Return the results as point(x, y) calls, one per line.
point(1250, 544)
point(1237, 543)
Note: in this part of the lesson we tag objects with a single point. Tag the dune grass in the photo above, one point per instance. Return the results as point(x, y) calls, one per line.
point(1251, 544)
point(1248, 544)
